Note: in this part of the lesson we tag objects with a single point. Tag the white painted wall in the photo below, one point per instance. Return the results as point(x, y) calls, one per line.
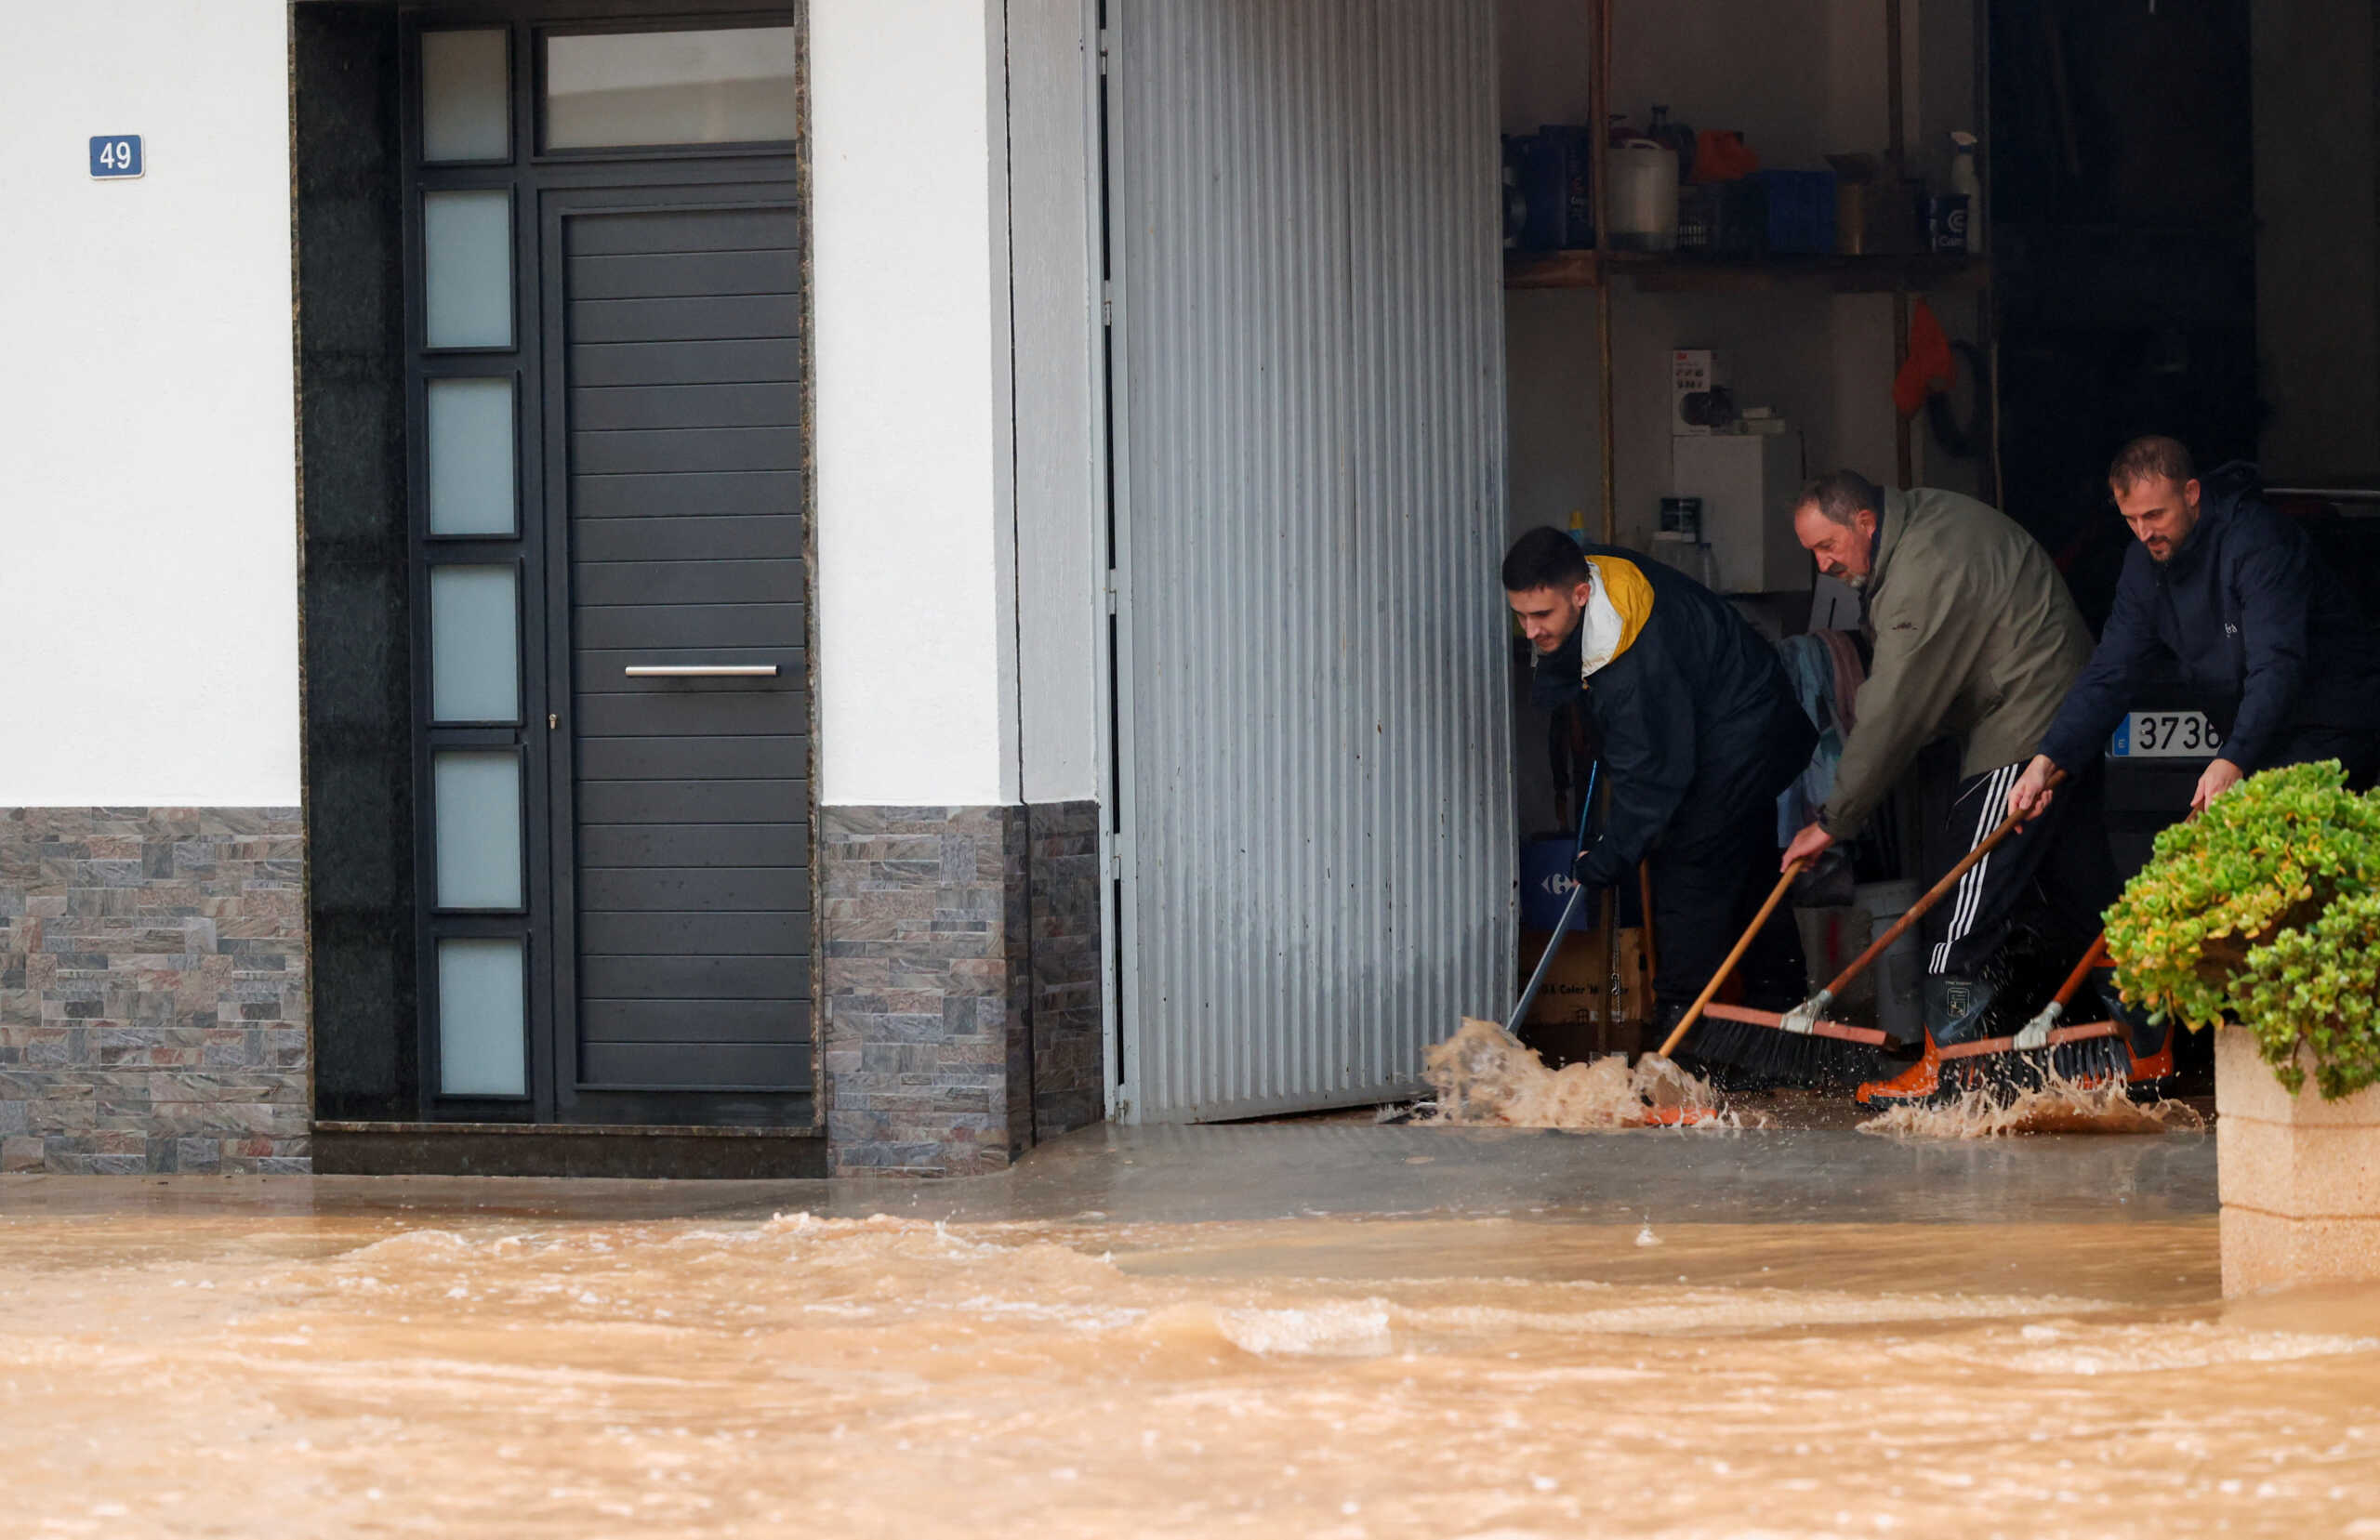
point(148, 488)
point(915, 485)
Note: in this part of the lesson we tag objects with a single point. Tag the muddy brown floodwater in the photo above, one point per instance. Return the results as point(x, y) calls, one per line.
point(466, 1368)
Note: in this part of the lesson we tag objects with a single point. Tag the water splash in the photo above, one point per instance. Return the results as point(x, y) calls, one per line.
point(2057, 1106)
point(1484, 1075)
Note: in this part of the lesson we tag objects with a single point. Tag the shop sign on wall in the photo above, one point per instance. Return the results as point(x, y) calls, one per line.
point(115, 155)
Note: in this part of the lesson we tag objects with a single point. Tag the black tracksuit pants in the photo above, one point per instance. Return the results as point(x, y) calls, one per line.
point(2053, 873)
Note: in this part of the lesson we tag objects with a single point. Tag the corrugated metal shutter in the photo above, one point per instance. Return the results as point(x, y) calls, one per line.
point(1310, 431)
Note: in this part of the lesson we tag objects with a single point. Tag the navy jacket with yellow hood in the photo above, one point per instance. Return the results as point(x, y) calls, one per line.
point(1697, 719)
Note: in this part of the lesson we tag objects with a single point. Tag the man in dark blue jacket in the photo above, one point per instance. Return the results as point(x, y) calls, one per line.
point(2280, 654)
point(1697, 730)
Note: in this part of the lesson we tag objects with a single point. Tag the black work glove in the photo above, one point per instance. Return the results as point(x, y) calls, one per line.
point(1598, 865)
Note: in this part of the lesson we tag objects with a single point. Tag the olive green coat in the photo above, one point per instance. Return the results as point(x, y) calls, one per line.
point(1976, 637)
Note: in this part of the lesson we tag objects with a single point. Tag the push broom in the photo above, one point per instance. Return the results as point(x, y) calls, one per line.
point(2088, 1053)
point(1829, 1052)
point(1771, 1047)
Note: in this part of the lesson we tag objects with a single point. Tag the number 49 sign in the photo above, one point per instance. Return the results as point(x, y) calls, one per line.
point(115, 155)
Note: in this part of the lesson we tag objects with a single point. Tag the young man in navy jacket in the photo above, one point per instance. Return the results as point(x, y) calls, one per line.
point(2280, 654)
point(1697, 730)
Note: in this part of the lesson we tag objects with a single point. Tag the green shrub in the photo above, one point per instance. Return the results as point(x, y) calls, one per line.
point(2319, 985)
point(2263, 909)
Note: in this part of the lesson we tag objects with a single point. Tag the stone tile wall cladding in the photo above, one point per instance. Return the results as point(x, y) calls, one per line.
point(1065, 914)
point(153, 990)
point(961, 972)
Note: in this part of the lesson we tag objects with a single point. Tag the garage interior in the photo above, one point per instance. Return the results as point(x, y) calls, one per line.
point(2155, 181)
point(2148, 181)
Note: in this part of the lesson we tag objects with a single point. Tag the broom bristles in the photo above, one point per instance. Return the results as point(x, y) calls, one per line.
point(2088, 1060)
point(1796, 1058)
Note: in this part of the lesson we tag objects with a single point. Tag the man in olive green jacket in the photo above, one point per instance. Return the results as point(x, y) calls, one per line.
point(1975, 637)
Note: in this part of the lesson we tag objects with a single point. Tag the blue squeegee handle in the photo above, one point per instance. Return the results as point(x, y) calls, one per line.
point(1577, 892)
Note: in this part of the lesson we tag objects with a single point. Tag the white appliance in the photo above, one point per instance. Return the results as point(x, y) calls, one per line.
point(1748, 482)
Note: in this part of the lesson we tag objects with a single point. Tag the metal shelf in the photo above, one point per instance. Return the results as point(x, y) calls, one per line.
point(1902, 277)
point(1652, 272)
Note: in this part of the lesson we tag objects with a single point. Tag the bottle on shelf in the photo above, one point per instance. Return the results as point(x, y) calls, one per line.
point(1963, 182)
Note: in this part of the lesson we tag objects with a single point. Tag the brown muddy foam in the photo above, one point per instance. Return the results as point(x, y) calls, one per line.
point(2059, 1106)
point(467, 1375)
point(1484, 1075)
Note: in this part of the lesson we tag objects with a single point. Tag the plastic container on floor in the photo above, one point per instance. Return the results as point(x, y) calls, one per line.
point(1900, 972)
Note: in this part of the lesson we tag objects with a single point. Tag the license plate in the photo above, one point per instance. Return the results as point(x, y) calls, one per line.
point(2165, 736)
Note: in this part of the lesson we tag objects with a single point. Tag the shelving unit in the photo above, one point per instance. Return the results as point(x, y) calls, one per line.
point(1903, 276)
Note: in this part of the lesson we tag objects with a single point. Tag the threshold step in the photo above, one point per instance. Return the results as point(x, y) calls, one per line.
point(676, 1152)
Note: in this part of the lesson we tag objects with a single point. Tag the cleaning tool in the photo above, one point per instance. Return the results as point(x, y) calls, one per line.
point(1803, 1016)
point(1743, 944)
point(2088, 1054)
point(1829, 1052)
point(1569, 909)
point(2035, 1033)
point(1771, 1045)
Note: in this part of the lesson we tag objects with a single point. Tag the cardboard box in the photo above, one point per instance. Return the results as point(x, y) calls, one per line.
point(1569, 1019)
point(1694, 372)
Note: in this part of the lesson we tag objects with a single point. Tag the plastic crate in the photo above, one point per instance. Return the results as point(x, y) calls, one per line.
point(1801, 211)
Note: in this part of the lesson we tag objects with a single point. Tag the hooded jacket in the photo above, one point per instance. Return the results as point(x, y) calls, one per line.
point(1974, 636)
point(2266, 637)
point(1696, 718)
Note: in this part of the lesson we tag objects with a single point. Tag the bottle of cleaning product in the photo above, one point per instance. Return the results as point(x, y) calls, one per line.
point(1964, 181)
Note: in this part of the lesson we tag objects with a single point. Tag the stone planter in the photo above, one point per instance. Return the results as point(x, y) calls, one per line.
point(2299, 1176)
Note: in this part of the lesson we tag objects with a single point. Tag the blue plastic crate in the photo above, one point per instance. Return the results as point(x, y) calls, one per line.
point(1801, 211)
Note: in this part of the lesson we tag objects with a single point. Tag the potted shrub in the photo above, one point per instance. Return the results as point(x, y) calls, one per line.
point(2262, 917)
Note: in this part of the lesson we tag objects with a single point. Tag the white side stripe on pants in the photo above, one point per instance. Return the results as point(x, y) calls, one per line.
point(1969, 897)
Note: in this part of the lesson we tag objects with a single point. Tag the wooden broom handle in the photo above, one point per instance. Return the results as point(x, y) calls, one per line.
point(1934, 895)
point(2091, 956)
point(1743, 942)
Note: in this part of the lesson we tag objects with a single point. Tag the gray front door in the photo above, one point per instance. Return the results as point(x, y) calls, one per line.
point(604, 272)
point(681, 809)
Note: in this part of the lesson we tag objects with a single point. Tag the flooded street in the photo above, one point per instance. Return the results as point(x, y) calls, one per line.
point(1309, 1332)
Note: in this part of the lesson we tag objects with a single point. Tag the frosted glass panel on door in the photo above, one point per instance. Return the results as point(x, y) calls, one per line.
point(474, 645)
point(467, 258)
point(466, 100)
point(470, 456)
point(483, 1018)
point(727, 85)
point(477, 806)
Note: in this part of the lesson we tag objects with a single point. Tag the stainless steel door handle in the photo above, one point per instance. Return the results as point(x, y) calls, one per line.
point(701, 671)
